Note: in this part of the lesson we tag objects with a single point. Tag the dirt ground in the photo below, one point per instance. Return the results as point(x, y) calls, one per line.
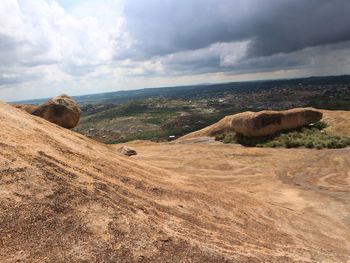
point(66, 198)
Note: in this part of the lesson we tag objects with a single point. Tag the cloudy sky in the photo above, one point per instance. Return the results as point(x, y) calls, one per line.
point(49, 47)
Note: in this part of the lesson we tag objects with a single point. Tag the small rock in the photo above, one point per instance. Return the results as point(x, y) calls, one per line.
point(127, 151)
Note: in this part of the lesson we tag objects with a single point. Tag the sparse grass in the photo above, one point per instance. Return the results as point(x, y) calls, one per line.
point(192, 121)
point(159, 116)
point(124, 110)
point(338, 102)
point(166, 121)
point(155, 135)
point(312, 136)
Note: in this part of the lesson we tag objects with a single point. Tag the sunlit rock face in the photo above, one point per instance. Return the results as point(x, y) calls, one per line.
point(264, 123)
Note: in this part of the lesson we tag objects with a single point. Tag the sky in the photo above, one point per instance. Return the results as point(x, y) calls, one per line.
point(50, 47)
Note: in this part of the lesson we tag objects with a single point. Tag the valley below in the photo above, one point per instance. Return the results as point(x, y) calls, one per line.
point(156, 114)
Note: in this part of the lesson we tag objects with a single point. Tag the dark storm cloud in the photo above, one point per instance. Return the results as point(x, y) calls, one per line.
point(211, 64)
point(161, 27)
point(164, 27)
point(295, 25)
point(335, 56)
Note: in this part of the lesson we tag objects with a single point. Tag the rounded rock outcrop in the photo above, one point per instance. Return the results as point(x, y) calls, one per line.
point(259, 124)
point(61, 110)
point(265, 123)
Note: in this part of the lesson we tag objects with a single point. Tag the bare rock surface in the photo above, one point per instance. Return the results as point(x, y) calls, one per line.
point(264, 123)
point(67, 198)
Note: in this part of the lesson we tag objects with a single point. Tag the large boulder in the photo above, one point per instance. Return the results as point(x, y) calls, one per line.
point(264, 123)
point(61, 110)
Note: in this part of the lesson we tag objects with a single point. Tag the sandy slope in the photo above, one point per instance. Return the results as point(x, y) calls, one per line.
point(65, 198)
point(339, 122)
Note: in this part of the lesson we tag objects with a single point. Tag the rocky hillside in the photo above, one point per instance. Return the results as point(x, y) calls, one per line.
point(66, 198)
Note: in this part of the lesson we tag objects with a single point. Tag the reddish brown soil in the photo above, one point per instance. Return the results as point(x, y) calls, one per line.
point(66, 198)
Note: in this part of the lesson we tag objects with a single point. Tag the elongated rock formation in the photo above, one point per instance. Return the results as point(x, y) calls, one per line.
point(264, 123)
point(258, 124)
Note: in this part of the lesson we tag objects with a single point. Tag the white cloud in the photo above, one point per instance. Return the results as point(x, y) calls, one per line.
point(39, 39)
point(49, 47)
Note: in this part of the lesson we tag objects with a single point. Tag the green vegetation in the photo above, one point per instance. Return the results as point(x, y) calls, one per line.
point(154, 135)
point(124, 110)
point(332, 101)
point(150, 119)
point(155, 114)
point(167, 123)
point(189, 122)
point(312, 136)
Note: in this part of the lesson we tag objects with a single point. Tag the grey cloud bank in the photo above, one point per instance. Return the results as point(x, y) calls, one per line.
point(49, 47)
point(272, 26)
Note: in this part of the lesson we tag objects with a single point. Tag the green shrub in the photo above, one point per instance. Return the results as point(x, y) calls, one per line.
point(320, 125)
point(309, 144)
point(311, 136)
point(229, 138)
point(220, 137)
